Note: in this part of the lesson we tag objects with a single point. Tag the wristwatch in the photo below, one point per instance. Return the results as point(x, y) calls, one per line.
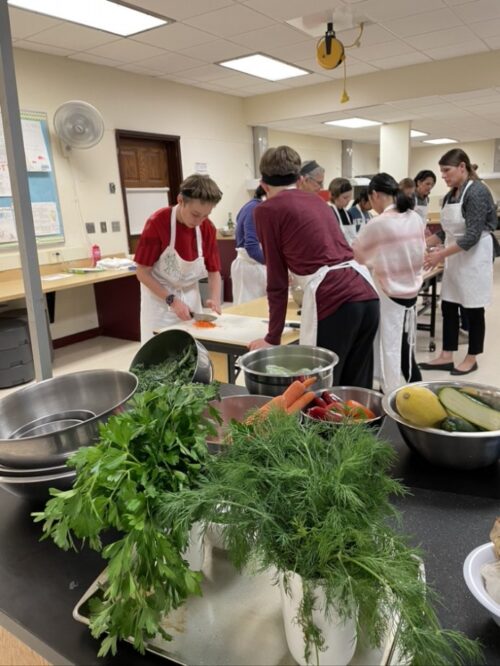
point(169, 300)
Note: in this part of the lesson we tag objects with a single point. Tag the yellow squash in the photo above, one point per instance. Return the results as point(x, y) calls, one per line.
point(420, 406)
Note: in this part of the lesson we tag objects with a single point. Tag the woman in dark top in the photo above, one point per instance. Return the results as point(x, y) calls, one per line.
point(468, 217)
point(340, 194)
point(424, 182)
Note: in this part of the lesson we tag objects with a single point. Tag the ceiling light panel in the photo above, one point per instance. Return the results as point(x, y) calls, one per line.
point(264, 67)
point(99, 14)
point(353, 123)
point(415, 133)
point(439, 142)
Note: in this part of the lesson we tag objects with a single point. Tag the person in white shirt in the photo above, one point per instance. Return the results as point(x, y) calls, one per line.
point(392, 245)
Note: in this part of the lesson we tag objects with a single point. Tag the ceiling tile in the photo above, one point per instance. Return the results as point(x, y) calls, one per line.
point(434, 110)
point(423, 23)
point(404, 60)
point(307, 80)
point(174, 37)
point(262, 88)
point(95, 59)
point(230, 21)
point(42, 48)
point(239, 81)
point(170, 63)
point(372, 34)
point(487, 28)
point(137, 69)
point(480, 10)
point(74, 37)
point(206, 73)
point(217, 50)
point(273, 35)
point(387, 50)
point(492, 109)
point(469, 96)
point(470, 104)
point(294, 52)
point(493, 42)
point(391, 9)
point(126, 50)
point(180, 9)
point(415, 101)
point(24, 23)
point(289, 9)
point(454, 51)
point(456, 35)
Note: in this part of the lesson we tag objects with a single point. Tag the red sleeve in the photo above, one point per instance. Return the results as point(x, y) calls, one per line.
point(210, 249)
point(154, 238)
point(268, 231)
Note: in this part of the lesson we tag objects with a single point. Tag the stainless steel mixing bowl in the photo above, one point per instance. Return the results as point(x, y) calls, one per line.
point(36, 488)
point(459, 450)
point(367, 397)
point(172, 344)
point(295, 358)
point(42, 424)
point(232, 407)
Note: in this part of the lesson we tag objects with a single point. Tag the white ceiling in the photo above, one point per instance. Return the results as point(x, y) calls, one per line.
point(398, 33)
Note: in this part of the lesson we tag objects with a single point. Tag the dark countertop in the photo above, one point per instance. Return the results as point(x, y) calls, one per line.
point(41, 584)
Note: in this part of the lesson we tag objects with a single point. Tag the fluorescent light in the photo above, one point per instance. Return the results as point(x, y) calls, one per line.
point(415, 133)
point(100, 14)
point(353, 123)
point(439, 142)
point(264, 67)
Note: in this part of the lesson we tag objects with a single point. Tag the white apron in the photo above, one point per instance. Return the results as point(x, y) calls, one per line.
point(248, 277)
point(349, 230)
point(180, 277)
point(394, 319)
point(468, 275)
point(310, 284)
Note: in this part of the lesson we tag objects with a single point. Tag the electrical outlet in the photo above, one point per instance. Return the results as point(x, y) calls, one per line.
point(104, 227)
point(115, 225)
point(112, 188)
point(90, 227)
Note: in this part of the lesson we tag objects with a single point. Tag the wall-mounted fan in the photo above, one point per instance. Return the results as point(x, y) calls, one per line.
point(78, 125)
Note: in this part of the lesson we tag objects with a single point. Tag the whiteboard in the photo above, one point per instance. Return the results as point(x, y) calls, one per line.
point(141, 203)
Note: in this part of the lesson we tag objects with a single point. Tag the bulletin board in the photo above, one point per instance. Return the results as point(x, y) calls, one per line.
point(141, 203)
point(41, 180)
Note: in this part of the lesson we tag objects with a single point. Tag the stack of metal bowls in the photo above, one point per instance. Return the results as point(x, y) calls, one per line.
point(299, 362)
point(172, 344)
point(42, 424)
point(458, 450)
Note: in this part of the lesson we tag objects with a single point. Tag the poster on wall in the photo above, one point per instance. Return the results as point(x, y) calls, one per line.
point(41, 181)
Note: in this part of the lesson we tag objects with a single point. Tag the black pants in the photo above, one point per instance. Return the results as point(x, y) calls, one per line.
point(350, 332)
point(413, 375)
point(451, 325)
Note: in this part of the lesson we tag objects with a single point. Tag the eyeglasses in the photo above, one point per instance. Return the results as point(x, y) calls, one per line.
point(319, 183)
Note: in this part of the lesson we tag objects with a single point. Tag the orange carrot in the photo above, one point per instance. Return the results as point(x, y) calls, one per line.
point(307, 383)
point(302, 402)
point(293, 392)
point(276, 403)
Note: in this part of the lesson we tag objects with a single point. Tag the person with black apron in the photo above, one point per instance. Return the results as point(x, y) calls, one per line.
point(340, 195)
point(468, 218)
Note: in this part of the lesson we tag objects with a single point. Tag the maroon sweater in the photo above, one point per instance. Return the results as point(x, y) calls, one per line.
point(299, 233)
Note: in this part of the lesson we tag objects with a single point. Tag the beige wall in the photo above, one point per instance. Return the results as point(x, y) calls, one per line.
point(325, 151)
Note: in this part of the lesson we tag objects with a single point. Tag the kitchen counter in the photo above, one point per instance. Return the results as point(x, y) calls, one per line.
point(447, 514)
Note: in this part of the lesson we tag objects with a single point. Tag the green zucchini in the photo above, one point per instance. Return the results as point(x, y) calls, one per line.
point(457, 424)
point(469, 409)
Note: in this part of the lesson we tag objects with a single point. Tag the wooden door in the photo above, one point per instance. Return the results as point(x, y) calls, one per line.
point(147, 160)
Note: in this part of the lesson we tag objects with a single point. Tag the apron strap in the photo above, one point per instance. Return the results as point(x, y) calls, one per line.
point(173, 227)
point(199, 244)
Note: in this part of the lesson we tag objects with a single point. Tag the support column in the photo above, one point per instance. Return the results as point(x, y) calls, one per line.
point(395, 149)
point(14, 144)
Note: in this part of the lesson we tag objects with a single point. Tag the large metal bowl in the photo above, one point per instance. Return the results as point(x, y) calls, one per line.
point(459, 450)
point(36, 488)
point(294, 358)
point(232, 407)
point(367, 397)
point(172, 344)
point(42, 424)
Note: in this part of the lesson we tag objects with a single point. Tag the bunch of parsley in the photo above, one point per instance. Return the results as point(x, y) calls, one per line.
point(156, 448)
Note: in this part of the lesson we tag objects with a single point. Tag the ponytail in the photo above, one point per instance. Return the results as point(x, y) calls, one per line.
point(386, 184)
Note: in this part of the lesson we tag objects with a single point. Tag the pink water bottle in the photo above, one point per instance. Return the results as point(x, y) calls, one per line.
point(96, 254)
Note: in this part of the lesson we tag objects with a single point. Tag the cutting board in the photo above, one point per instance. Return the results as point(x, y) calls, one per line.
point(231, 329)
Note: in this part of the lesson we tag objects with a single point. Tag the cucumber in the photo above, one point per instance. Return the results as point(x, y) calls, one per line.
point(457, 424)
point(469, 409)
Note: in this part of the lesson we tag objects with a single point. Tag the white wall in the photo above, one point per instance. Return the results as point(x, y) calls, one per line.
point(365, 158)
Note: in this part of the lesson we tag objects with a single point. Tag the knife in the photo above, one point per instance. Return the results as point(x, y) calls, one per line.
point(290, 324)
point(201, 316)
